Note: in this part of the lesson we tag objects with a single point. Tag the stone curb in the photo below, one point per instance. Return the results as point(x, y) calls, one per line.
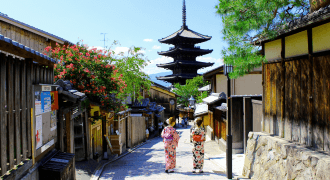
point(98, 171)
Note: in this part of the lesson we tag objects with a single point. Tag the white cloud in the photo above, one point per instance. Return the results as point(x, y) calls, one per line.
point(119, 50)
point(156, 47)
point(97, 47)
point(161, 60)
point(148, 40)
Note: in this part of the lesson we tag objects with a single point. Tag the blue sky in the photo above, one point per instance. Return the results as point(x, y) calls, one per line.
point(131, 22)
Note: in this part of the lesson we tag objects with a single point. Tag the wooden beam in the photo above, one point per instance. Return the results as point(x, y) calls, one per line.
point(10, 48)
point(24, 110)
point(3, 115)
point(283, 72)
point(10, 105)
point(17, 99)
point(29, 104)
point(310, 103)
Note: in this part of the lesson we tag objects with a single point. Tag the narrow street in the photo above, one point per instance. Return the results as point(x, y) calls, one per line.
point(148, 162)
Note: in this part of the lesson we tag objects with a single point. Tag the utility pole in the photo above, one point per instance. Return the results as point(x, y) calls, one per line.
point(104, 39)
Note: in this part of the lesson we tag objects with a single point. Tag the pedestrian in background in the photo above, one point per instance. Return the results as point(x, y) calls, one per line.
point(198, 138)
point(171, 140)
point(160, 128)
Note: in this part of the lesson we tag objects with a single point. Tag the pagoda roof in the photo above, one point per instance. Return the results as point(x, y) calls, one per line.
point(196, 51)
point(174, 77)
point(186, 63)
point(185, 33)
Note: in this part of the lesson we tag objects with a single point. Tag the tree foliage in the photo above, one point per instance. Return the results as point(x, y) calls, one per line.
point(190, 89)
point(131, 66)
point(248, 21)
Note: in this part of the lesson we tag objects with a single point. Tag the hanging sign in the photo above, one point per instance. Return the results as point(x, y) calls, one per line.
point(37, 103)
point(38, 131)
point(54, 100)
point(45, 101)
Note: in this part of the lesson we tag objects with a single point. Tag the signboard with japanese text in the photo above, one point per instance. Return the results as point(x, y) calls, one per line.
point(54, 100)
point(45, 101)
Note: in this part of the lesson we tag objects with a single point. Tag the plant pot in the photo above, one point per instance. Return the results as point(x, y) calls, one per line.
point(317, 4)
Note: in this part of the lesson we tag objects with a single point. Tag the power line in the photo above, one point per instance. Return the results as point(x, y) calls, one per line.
point(104, 39)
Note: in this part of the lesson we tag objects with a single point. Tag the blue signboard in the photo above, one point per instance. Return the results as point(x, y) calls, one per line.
point(46, 102)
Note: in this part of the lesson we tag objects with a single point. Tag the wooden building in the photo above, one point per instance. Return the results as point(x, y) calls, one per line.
point(184, 53)
point(244, 91)
point(296, 81)
point(22, 66)
point(164, 97)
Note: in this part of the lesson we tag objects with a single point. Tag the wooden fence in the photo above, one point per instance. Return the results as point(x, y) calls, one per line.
point(297, 100)
point(16, 79)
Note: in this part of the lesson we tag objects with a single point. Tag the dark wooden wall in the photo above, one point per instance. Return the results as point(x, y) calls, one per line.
point(16, 79)
point(297, 100)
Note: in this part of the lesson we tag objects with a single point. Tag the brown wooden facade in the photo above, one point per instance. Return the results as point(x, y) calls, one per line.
point(22, 66)
point(16, 79)
point(296, 85)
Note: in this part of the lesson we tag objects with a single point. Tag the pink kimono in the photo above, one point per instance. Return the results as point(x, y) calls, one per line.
point(170, 147)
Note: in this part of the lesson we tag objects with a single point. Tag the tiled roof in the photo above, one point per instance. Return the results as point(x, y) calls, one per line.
point(66, 88)
point(196, 51)
point(223, 107)
point(251, 95)
point(34, 28)
point(214, 97)
point(143, 103)
point(186, 33)
point(7, 40)
point(174, 76)
point(183, 62)
point(201, 108)
point(205, 88)
point(311, 18)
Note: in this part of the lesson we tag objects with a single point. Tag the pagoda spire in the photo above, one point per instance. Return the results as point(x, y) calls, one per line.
point(184, 14)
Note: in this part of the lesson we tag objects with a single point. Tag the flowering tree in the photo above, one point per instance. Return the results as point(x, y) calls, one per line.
point(89, 71)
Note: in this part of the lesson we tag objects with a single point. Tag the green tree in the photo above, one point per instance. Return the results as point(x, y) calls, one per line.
point(130, 65)
point(246, 22)
point(190, 89)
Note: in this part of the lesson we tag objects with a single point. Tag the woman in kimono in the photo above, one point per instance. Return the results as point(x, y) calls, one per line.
point(198, 134)
point(171, 140)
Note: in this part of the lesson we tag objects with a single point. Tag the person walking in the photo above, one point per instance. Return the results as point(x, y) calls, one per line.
point(171, 140)
point(160, 128)
point(198, 138)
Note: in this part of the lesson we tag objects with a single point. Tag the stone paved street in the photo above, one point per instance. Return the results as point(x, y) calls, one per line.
point(148, 162)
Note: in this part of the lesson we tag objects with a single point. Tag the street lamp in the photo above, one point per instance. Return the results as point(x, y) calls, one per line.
point(191, 101)
point(229, 149)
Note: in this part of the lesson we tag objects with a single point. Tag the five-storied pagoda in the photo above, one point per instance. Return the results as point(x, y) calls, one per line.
point(184, 53)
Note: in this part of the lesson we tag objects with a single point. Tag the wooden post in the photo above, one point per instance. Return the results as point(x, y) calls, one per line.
point(3, 115)
point(247, 119)
point(10, 105)
point(288, 101)
point(88, 137)
point(282, 67)
point(32, 137)
point(24, 110)
point(30, 101)
point(263, 96)
point(68, 131)
point(310, 89)
point(263, 90)
point(17, 98)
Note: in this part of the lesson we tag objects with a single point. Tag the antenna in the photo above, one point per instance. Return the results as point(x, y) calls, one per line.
point(104, 39)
